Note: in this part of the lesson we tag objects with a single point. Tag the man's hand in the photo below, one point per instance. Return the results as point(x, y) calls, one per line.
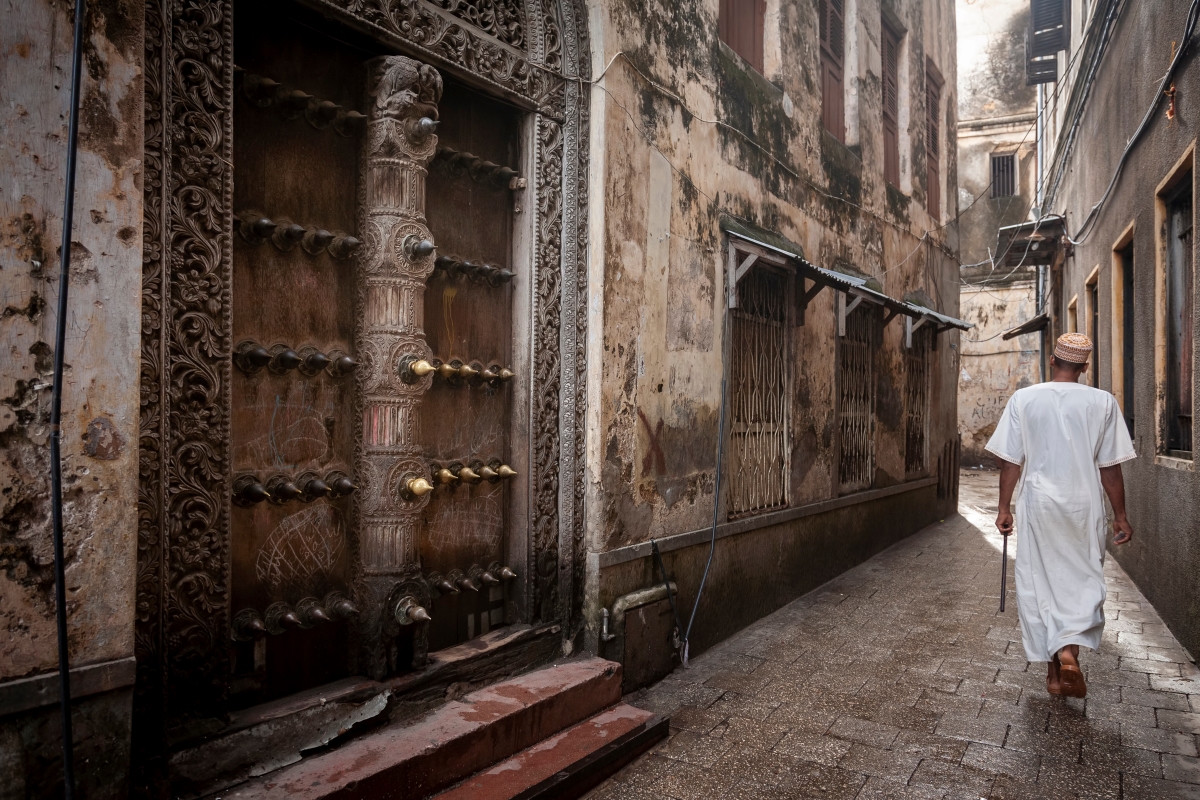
point(1123, 531)
point(1004, 522)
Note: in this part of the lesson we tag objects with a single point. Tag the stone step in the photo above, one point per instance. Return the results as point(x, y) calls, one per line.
point(455, 741)
point(570, 763)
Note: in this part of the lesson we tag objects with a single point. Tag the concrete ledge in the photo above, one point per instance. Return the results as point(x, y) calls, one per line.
point(26, 694)
point(455, 741)
point(704, 536)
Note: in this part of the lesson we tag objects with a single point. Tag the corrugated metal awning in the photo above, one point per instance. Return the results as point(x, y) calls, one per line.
point(852, 285)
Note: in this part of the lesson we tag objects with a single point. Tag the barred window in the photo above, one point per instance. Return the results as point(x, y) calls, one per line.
point(916, 400)
point(1004, 175)
point(856, 395)
point(758, 408)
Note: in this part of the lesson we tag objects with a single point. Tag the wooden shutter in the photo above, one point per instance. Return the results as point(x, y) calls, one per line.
point(1048, 24)
point(933, 143)
point(891, 105)
point(833, 56)
point(740, 25)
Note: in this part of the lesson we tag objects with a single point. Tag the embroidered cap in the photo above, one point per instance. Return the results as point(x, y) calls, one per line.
point(1073, 347)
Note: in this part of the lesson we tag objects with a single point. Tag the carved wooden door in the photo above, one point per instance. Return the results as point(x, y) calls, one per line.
point(370, 510)
point(293, 390)
point(471, 195)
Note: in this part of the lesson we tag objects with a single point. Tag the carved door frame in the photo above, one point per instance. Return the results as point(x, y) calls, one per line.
point(539, 63)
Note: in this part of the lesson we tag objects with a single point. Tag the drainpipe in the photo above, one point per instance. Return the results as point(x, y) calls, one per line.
point(64, 279)
point(1039, 198)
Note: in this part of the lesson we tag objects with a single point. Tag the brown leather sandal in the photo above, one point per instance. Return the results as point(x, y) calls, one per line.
point(1053, 678)
point(1070, 675)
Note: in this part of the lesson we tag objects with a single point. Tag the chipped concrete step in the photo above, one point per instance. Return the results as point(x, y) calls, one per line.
point(570, 763)
point(456, 740)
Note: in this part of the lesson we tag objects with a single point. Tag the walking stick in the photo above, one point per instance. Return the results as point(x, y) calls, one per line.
point(1003, 573)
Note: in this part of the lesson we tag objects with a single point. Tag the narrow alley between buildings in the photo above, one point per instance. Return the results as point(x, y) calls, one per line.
point(901, 679)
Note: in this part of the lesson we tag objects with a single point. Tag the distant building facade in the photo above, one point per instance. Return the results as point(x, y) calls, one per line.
point(997, 157)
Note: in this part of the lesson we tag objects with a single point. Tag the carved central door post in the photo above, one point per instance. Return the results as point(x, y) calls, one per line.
point(397, 259)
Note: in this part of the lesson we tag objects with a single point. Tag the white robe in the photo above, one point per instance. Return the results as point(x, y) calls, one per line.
point(1061, 434)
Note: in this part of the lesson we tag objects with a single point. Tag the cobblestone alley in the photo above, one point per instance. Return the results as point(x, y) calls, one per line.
point(900, 679)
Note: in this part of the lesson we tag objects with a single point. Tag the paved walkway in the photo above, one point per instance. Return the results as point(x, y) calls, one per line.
point(901, 680)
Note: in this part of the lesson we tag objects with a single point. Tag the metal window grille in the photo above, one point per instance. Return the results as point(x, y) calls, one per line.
point(758, 409)
point(1004, 175)
point(916, 401)
point(856, 381)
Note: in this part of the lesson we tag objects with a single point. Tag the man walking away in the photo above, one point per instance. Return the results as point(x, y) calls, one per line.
point(1059, 442)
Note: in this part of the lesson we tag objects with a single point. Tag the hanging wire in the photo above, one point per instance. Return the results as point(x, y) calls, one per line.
point(60, 344)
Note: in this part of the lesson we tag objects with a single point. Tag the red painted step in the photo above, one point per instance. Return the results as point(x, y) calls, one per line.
point(455, 741)
point(570, 763)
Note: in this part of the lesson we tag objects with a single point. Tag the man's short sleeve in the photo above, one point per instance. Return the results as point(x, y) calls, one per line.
point(1006, 442)
point(1115, 445)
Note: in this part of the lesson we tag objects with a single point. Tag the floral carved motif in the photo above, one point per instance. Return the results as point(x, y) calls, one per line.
point(183, 532)
point(443, 38)
point(547, 369)
point(500, 18)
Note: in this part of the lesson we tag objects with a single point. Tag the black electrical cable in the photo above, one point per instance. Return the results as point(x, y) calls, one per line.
point(64, 278)
point(712, 546)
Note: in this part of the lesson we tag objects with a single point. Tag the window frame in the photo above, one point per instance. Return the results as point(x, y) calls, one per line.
point(738, 254)
point(891, 43)
point(1091, 293)
point(739, 20)
point(934, 83)
point(1123, 338)
point(1179, 335)
point(832, 67)
point(1014, 174)
point(920, 348)
point(842, 321)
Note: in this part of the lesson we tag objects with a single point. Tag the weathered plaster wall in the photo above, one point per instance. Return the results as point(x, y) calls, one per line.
point(100, 402)
point(992, 369)
point(664, 173)
point(1163, 495)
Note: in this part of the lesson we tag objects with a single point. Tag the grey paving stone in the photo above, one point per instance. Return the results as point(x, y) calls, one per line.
point(1181, 768)
point(813, 747)
point(1022, 766)
point(1143, 697)
point(1139, 788)
point(1162, 741)
point(899, 679)
point(864, 731)
point(1183, 722)
point(973, 729)
point(889, 764)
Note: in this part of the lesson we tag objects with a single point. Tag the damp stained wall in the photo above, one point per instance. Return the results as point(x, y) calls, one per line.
point(992, 368)
point(100, 395)
point(683, 131)
point(1162, 493)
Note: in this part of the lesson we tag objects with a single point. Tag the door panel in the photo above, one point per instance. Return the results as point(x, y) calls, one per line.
point(468, 319)
point(292, 424)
